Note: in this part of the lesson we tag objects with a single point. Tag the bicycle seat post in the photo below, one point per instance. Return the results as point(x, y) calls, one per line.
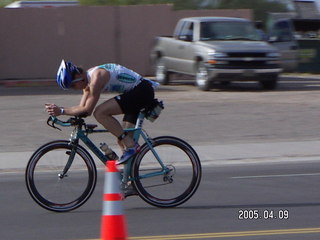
point(139, 124)
point(140, 120)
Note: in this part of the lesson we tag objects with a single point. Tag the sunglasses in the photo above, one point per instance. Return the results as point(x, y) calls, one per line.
point(73, 83)
point(77, 80)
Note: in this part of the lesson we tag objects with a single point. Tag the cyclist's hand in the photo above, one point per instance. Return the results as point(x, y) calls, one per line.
point(52, 109)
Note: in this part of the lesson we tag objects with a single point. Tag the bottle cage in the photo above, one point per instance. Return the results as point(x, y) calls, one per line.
point(154, 110)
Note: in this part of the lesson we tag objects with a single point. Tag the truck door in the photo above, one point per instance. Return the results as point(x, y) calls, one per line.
point(184, 61)
point(282, 37)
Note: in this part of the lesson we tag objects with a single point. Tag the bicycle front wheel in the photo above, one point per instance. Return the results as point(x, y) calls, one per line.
point(168, 174)
point(61, 177)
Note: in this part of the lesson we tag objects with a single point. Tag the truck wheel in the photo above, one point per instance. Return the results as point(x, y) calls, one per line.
point(202, 78)
point(162, 75)
point(269, 84)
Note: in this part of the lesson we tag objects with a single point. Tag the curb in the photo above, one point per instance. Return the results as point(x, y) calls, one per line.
point(214, 154)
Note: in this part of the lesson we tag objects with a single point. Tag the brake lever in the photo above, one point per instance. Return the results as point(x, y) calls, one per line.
point(52, 124)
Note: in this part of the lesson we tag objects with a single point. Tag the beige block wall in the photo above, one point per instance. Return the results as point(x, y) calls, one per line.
point(33, 41)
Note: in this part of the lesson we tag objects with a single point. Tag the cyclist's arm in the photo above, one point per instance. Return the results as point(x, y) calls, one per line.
point(84, 97)
point(86, 106)
point(91, 95)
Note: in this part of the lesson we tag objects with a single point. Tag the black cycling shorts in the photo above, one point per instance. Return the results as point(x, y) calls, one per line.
point(136, 99)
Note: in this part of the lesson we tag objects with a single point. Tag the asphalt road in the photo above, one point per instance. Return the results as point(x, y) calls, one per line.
point(286, 197)
point(259, 150)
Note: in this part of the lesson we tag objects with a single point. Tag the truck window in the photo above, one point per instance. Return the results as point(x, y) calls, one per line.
point(281, 32)
point(207, 31)
point(228, 31)
point(187, 31)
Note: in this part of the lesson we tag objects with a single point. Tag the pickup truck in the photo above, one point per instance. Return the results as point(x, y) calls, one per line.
point(216, 49)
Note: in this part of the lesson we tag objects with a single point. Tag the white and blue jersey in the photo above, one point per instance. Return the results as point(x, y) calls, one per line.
point(121, 79)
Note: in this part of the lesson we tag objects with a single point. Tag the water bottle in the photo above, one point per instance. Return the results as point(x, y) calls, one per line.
point(111, 155)
point(154, 114)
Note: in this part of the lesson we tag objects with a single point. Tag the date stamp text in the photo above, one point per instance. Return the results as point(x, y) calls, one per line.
point(266, 214)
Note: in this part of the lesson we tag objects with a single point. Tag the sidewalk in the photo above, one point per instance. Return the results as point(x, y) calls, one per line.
point(269, 152)
point(209, 154)
point(242, 153)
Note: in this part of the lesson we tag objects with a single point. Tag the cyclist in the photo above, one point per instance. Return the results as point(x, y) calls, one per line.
point(136, 93)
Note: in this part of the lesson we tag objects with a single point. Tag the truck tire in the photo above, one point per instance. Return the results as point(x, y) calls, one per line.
point(269, 84)
point(202, 77)
point(162, 75)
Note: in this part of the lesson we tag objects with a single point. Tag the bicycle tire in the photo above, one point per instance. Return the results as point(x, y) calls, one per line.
point(48, 188)
point(171, 189)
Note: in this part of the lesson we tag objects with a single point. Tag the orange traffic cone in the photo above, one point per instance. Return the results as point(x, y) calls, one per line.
point(113, 224)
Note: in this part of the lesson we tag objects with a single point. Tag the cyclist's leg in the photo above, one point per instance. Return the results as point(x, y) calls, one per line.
point(128, 122)
point(104, 114)
point(131, 102)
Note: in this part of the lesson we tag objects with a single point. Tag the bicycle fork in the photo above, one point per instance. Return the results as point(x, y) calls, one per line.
point(71, 155)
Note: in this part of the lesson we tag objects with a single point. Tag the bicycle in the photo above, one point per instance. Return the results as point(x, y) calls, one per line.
point(61, 175)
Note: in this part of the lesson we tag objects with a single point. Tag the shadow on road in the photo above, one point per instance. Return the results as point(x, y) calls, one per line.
point(177, 85)
point(35, 90)
point(285, 84)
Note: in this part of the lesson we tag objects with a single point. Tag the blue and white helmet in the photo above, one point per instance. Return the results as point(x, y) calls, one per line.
point(65, 73)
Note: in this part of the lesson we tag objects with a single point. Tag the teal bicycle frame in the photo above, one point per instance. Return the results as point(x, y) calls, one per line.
point(79, 133)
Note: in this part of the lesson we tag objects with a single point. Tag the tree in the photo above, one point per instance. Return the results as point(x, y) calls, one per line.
point(122, 2)
point(3, 3)
point(187, 4)
point(260, 7)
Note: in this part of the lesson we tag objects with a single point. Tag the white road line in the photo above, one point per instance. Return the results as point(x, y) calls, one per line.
point(280, 175)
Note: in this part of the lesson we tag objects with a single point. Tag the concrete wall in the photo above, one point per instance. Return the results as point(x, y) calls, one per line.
point(33, 41)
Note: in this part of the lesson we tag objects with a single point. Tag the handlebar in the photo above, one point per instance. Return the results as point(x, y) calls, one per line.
point(74, 121)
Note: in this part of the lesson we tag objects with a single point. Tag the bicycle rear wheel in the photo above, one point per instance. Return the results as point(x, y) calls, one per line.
point(53, 189)
point(173, 182)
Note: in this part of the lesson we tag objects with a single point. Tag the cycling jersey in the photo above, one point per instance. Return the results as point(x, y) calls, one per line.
point(136, 92)
point(121, 79)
